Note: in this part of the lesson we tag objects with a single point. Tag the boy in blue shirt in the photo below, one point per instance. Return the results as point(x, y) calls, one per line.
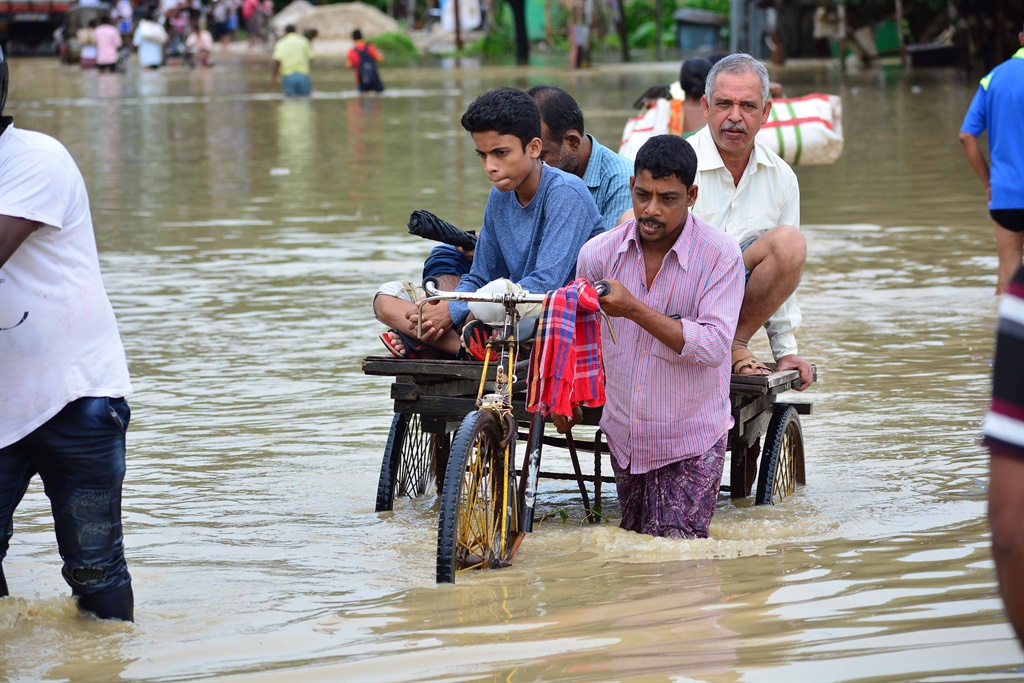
point(536, 220)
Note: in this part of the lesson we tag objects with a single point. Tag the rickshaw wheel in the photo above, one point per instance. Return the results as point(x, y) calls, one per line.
point(408, 465)
point(782, 460)
point(479, 522)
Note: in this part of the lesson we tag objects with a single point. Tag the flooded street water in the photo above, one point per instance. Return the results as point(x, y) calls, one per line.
point(242, 237)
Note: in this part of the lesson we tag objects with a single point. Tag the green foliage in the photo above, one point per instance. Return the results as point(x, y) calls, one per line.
point(396, 46)
point(501, 41)
point(640, 12)
point(720, 6)
point(645, 36)
point(611, 42)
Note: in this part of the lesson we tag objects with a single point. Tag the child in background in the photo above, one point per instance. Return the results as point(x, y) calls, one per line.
point(200, 45)
point(363, 57)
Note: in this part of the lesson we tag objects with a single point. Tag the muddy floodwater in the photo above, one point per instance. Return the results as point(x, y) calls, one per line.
point(242, 237)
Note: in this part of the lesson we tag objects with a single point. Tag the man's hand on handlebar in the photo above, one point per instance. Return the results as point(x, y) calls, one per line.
point(616, 300)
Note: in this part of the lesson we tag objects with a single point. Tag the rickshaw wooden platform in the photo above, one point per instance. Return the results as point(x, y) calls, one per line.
point(431, 397)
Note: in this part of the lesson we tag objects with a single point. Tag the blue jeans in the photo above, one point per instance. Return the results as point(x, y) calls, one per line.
point(297, 84)
point(80, 456)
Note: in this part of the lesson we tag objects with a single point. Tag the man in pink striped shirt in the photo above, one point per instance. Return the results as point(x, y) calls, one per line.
point(676, 289)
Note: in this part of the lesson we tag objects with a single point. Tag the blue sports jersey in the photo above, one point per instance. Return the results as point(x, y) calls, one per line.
point(998, 107)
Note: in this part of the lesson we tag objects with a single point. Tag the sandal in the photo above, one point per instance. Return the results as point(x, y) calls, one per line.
point(743, 359)
point(474, 339)
point(413, 348)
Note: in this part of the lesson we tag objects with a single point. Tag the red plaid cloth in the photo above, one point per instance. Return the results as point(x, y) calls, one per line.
point(565, 364)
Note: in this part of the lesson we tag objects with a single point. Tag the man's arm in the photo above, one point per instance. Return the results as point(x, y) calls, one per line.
point(14, 231)
point(619, 302)
point(274, 71)
point(972, 148)
point(708, 337)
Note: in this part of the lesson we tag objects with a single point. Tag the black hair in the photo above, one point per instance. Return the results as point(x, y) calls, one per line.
point(506, 111)
point(558, 110)
point(357, 35)
point(667, 155)
point(290, 28)
point(692, 75)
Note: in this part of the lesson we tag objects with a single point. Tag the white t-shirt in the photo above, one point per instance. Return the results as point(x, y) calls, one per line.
point(68, 346)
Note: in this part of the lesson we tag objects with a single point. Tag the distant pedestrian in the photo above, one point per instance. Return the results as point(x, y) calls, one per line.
point(221, 13)
point(364, 57)
point(292, 57)
point(108, 42)
point(150, 38)
point(250, 15)
point(997, 107)
point(199, 45)
point(123, 15)
point(87, 45)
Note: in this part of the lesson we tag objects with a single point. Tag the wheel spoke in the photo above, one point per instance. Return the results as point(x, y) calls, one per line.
point(475, 530)
point(416, 470)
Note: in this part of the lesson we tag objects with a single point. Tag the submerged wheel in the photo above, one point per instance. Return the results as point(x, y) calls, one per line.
point(408, 465)
point(782, 461)
point(479, 522)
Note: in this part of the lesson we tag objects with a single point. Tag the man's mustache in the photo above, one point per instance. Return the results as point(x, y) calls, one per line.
point(734, 128)
point(652, 223)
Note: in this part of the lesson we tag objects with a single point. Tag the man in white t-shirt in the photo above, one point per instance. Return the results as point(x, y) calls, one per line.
point(748, 191)
point(63, 373)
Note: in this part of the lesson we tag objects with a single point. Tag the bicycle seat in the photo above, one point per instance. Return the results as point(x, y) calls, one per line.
point(526, 330)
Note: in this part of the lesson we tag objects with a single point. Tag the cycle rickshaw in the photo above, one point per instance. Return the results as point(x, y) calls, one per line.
point(456, 425)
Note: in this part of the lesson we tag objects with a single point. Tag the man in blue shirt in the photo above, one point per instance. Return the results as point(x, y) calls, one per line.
point(998, 107)
point(566, 146)
point(536, 220)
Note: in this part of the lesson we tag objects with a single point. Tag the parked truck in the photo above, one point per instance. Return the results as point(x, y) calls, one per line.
point(28, 25)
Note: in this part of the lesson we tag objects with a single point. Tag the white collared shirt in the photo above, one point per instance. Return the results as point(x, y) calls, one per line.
point(767, 195)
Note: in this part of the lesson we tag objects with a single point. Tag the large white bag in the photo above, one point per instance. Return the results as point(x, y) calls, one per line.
point(649, 122)
point(805, 130)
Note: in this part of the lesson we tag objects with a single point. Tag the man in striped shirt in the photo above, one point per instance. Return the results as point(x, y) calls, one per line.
point(676, 288)
point(1004, 436)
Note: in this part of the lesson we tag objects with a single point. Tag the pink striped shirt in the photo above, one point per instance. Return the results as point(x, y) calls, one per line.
point(662, 406)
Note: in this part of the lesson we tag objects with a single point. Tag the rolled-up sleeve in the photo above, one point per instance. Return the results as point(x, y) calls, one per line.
point(708, 338)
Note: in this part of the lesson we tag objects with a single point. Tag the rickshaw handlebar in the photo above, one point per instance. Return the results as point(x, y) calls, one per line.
point(435, 294)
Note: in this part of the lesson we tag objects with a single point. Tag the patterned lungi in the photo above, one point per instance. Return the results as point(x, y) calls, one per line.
point(673, 501)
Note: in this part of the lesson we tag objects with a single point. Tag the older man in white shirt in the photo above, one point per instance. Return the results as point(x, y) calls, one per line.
point(748, 191)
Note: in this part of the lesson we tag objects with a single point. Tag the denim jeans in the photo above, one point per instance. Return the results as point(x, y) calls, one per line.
point(80, 456)
point(297, 85)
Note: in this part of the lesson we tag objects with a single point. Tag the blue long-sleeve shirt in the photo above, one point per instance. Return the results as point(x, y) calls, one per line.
point(535, 246)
